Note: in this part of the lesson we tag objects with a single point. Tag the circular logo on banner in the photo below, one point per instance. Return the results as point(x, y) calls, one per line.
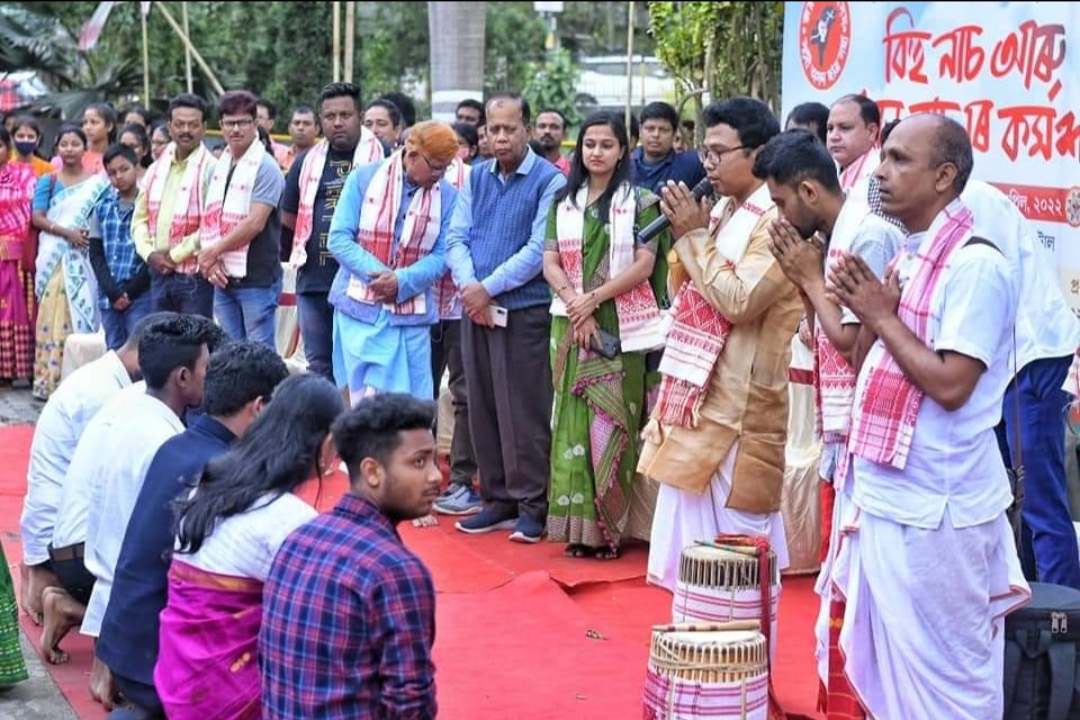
point(1072, 206)
point(824, 41)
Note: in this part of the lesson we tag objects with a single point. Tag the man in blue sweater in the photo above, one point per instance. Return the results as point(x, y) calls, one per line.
point(495, 250)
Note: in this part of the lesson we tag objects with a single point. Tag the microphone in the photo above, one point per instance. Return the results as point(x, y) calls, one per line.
point(701, 190)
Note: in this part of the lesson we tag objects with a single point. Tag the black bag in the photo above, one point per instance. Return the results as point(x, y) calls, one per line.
point(608, 347)
point(1042, 674)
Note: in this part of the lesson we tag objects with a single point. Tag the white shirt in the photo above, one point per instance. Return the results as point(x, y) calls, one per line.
point(859, 231)
point(1045, 324)
point(245, 544)
point(110, 466)
point(954, 462)
point(61, 423)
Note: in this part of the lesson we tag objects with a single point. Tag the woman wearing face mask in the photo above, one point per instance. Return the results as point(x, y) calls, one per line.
point(16, 335)
point(27, 136)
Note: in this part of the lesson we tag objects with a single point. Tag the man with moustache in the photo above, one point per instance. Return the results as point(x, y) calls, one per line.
point(312, 189)
point(549, 134)
point(169, 210)
point(928, 552)
point(495, 250)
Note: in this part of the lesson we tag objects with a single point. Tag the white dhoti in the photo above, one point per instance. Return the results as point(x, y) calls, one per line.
point(923, 627)
point(844, 514)
point(682, 518)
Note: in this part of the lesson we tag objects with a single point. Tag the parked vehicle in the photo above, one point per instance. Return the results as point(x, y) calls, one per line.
point(603, 82)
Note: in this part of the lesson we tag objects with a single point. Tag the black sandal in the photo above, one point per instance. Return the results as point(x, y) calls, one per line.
point(576, 551)
point(607, 553)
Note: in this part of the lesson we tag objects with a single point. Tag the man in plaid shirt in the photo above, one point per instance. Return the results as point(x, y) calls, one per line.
point(348, 611)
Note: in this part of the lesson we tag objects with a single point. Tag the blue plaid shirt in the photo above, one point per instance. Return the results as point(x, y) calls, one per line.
point(348, 622)
point(123, 263)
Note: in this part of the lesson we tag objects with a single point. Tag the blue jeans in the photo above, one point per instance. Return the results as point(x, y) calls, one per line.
point(248, 313)
point(316, 316)
point(1046, 514)
point(120, 324)
point(185, 294)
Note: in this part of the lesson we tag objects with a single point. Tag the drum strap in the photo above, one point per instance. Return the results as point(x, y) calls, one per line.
point(761, 545)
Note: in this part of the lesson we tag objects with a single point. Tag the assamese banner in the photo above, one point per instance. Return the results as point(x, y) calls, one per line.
point(1009, 71)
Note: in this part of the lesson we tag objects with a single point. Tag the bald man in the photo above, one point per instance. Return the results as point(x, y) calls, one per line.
point(927, 561)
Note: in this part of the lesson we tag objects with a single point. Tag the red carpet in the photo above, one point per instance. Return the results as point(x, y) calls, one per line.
point(522, 632)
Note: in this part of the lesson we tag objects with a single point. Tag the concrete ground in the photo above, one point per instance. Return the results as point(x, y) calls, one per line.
point(38, 698)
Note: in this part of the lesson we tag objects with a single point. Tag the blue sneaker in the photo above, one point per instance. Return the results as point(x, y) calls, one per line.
point(527, 530)
point(484, 522)
point(459, 500)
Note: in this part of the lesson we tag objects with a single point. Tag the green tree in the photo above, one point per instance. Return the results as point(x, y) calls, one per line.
point(514, 43)
point(553, 84)
point(720, 49)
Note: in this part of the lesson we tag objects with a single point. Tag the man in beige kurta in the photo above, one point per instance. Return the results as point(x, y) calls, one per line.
point(723, 472)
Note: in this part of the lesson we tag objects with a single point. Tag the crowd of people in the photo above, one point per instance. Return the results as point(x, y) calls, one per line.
point(586, 360)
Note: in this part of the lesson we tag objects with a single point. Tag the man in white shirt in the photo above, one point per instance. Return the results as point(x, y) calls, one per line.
point(803, 183)
point(852, 140)
point(56, 435)
point(927, 562)
point(109, 467)
point(1047, 334)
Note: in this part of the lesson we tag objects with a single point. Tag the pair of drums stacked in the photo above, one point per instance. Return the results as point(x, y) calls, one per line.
point(717, 671)
point(722, 584)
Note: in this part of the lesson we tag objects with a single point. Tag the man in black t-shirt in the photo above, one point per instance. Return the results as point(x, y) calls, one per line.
point(306, 213)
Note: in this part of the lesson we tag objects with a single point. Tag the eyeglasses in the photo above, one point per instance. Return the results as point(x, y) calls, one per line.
point(710, 156)
point(237, 124)
point(435, 170)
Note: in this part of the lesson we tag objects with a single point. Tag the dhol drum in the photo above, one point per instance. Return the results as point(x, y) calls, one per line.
point(714, 671)
point(722, 583)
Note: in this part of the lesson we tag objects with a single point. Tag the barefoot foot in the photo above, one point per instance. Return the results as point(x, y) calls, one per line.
point(102, 688)
point(62, 612)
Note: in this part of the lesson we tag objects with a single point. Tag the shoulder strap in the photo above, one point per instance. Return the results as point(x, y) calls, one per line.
point(976, 240)
point(1062, 656)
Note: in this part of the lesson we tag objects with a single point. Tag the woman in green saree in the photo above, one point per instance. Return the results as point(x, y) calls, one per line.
point(12, 665)
point(600, 278)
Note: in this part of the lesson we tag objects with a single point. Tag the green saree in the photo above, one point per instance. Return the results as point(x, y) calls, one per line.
point(12, 665)
point(597, 413)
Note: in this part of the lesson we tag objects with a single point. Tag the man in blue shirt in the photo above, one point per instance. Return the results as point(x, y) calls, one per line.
point(239, 381)
point(495, 251)
point(656, 161)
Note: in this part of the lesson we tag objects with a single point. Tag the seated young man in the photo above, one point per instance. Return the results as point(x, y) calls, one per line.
point(364, 602)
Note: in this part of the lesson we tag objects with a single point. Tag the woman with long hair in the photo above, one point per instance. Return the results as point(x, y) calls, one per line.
point(606, 317)
point(64, 280)
point(99, 131)
point(229, 529)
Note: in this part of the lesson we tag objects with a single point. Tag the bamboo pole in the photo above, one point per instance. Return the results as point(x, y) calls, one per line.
point(187, 53)
point(187, 44)
point(145, 62)
point(337, 40)
point(350, 39)
point(629, 64)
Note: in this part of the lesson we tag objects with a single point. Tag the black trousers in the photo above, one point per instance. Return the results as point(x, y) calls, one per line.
point(508, 371)
point(446, 355)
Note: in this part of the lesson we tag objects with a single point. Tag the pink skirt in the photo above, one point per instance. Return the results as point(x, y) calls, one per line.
point(16, 333)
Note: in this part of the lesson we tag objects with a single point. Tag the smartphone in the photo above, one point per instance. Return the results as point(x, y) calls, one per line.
point(499, 315)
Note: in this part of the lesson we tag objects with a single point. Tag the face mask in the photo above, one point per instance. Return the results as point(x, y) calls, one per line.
point(25, 148)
